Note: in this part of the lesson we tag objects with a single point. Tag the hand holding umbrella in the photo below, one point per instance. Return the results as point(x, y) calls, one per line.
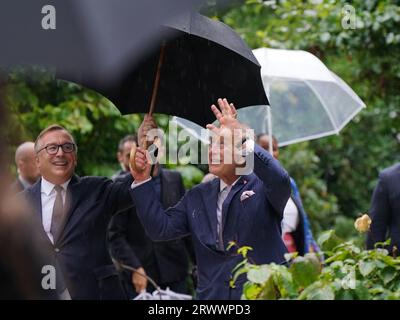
point(146, 137)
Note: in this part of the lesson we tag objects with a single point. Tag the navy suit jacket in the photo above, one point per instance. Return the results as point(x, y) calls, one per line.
point(80, 252)
point(254, 222)
point(385, 209)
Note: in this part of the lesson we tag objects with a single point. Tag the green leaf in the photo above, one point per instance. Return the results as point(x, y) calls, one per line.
point(269, 291)
point(361, 291)
point(388, 275)
point(251, 291)
point(318, 291)
point(366, 267)
point(259, 275)
point(304, 271)
point(328, 240)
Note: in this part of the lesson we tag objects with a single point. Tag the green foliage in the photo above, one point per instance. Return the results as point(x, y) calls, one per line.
point(348, 273)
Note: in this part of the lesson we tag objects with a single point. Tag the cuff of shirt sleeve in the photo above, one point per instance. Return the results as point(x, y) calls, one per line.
point(137, 184)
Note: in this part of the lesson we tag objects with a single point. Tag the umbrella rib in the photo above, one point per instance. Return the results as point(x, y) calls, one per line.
point(352, 115)
point(307, 138)
point(323, 104)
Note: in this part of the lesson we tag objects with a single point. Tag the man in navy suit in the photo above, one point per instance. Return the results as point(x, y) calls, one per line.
point(72, 215)
point(385, 209)
point(246, 209)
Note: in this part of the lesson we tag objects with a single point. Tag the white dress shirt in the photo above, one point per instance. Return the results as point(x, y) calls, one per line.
point(48, 197)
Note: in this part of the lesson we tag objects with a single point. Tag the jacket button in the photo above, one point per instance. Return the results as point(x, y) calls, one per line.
point(57, 250)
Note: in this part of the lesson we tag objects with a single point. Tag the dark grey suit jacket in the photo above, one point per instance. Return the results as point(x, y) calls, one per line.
point(385, 208)
point(80, 251)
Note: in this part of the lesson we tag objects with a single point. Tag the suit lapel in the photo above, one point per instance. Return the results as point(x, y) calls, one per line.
point(210, 205)
point(36, 199)
point(235, 189)
point(35, 194)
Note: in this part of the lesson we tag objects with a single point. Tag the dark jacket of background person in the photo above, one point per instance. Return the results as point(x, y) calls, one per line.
point(165, 262)
point(17, 186)
point(385, 209)
point(80, 252)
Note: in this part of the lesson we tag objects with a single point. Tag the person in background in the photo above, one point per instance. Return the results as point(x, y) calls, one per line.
point(296, 230)
point(124, 148)
point(165, 262)
point(385, 210)
point(28, 172)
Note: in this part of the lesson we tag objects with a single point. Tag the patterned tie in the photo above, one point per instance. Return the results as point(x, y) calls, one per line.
point(58, 212)
point(221, 198)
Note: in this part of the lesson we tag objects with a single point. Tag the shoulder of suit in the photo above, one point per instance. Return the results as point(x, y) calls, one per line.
point(93, 180)
point(392, 172)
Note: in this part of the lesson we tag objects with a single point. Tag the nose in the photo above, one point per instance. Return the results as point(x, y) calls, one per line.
point(60, 151)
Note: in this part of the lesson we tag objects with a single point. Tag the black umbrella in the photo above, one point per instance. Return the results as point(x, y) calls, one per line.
point(198, 61)
point(93, 42)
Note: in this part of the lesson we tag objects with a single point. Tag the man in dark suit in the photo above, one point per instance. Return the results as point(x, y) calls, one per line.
point(73, 215)
point(165, 262)
point(245, 209)
point(385, 209)
point(28, 172)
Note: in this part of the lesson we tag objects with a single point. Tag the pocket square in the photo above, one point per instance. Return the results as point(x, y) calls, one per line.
point(246, 194)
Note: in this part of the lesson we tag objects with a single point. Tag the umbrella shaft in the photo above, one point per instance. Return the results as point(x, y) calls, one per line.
point(157, 79)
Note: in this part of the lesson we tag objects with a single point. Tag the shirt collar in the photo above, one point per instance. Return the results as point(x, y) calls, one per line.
point(47, 187)
point(222, 184)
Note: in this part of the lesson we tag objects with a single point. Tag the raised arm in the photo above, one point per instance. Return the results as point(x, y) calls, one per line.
point(266, 167)
point(275, 178)
point(159, 224)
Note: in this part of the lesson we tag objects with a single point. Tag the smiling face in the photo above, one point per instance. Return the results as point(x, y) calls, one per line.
point(57, 168)
point(221, 157)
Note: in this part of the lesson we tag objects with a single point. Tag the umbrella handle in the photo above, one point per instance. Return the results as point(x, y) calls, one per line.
point(154, 153)
point(152, 103)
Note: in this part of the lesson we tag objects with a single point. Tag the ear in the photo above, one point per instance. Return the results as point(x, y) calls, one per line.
point(119, 156)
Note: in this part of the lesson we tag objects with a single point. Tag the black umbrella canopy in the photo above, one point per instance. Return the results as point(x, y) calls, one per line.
point(203, 61)
point(93, 42)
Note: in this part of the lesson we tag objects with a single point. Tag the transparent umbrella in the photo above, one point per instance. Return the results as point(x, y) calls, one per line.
point(308, 101)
